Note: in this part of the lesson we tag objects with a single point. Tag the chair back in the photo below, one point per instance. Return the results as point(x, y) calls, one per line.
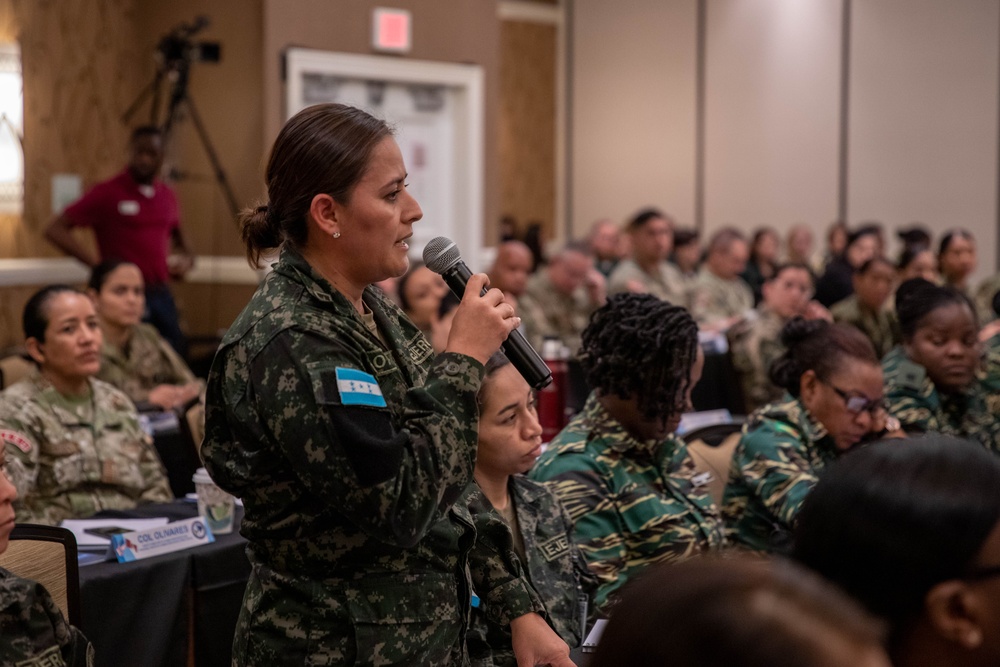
point(14, 368)
point(47, 555)
point(714, 457)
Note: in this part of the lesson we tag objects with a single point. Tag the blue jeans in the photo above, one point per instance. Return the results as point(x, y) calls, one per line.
point(161, 312)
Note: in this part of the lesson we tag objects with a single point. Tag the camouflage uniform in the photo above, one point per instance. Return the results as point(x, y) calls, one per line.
point(878, 327)
point(754, 350)
point(71, 458)
point(984, 298)
point(775, 465)
point(667, 284)
point(632, 503)
point(714, 298)
point(33, 632)
point(147, 362)
point(555, 566)
point(547, 313)
point(921, 408)
point(351, 456)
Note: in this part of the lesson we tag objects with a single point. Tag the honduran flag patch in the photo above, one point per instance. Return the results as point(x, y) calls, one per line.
point(358, 388)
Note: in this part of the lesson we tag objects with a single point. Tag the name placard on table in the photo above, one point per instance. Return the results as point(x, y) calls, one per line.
point(176, 536)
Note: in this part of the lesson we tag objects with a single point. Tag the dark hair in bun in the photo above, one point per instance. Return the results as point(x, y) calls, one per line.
point(818, 346)
point(917, 298)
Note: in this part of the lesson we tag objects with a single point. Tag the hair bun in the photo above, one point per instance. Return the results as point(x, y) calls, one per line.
point(911, 289)
point(798, 329)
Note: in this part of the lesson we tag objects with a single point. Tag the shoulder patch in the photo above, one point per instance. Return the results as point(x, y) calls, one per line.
point(17, 439)
point(358, 388)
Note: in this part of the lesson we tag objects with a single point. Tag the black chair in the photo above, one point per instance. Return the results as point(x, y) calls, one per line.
point(47, 555)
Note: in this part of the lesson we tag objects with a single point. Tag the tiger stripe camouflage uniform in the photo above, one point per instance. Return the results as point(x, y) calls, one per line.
point(775, 465)
point(921, 408)
point(71, 458)
point(754, 350)
point(554, 564)
point(632, 503)
point(147, 362)
point(877, 326)
point(33, 632)
point(352, 456)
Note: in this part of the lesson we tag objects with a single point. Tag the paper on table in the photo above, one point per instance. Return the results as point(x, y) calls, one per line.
point(86, 540)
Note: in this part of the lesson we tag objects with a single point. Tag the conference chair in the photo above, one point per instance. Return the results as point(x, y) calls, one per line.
point(711, 448)
point(14, 368)
point(47, 554)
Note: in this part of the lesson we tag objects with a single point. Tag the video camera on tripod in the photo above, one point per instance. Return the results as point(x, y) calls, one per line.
point(176, 48)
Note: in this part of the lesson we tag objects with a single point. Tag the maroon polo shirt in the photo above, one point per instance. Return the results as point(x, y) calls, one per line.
point(131, 222)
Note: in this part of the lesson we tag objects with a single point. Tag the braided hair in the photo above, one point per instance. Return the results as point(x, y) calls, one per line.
point(639, 346)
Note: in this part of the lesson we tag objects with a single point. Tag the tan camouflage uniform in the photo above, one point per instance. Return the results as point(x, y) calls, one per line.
point(33, 632)
point(753, 353)
point(984, 298)
point(668, 284)
point(878, 327)
point(547, 313)
point(356, 492)
point(555, 566)
point(921, 408)
point(775, 465)
point(72, 458)
point(632, 503)
point(714, 299)
point(147, 362)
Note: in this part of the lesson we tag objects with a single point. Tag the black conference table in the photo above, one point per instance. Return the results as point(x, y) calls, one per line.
point(171, 610)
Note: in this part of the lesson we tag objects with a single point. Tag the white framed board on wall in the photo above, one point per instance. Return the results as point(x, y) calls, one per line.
point(436, 110)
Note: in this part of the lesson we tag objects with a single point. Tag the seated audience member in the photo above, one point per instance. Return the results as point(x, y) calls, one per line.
point(786, 295)
point(560, 298)
point(916, 235)
point(912, 531)
point(763, 260)
point(916, 261)
point(836, 242)
point(74, 445)
point(836, 282)
point(985, 294)
point(630, 485)
point(134, 357)
point(835, 382)
point(799, 249)
point(720, 298)
point(420, 292)
point(646, 270)
point(930, 380)
point(866, 308)
point(605, 243)
point(441, 328)
point(957, 260)
point(687, 258)
point(32, 627)
point(738, 613)
point(510, 440)
point(511, 269)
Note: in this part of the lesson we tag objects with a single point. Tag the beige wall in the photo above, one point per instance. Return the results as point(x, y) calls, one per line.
point(920, 132)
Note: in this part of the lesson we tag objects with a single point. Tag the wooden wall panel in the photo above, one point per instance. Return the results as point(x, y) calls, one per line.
point(527, 127)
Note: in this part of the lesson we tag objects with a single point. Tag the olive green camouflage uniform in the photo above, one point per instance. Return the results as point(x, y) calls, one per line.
point(878, 327)
point(775, 465)
point(714, 299)
point(555, 566)
point(921, 408)
point(667, 284)
point(147, 362)
point(71, 458)
point(33, 632)
point(362, 545)
point(546, 312)
point(756, 347)
point(984, 298)
point(632, 503)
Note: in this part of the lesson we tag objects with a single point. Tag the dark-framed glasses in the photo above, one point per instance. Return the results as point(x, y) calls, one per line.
point(858, 404)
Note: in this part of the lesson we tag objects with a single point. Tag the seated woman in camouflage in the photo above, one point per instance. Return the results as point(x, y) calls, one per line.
point(931, 379)
point(912, 531)
point(833, 377)
point(629, 484)
point(73, 443)
point(32, 627)
point(510, 441)
point(134, 357)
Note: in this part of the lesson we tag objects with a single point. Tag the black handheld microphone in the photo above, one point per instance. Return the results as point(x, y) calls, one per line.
point(441, 255)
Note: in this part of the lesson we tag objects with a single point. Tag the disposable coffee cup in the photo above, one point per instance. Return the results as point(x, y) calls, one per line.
point(216, 506)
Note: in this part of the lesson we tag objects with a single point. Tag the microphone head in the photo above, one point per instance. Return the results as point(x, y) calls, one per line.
point(440, 254)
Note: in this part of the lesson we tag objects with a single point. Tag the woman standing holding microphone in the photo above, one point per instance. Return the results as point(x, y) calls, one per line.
point(347, 439)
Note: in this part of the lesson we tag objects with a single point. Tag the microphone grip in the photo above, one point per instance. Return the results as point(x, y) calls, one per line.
point(518, 350)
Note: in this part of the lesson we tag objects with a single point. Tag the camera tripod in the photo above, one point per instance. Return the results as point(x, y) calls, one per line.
point(176, 52)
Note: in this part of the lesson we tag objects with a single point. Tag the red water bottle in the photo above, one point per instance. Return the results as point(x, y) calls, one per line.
point(552, 399)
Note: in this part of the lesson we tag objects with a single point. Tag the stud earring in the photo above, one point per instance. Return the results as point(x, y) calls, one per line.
point(336, 235)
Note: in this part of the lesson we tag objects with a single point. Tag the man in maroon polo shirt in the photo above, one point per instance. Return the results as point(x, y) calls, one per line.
point(135, 218)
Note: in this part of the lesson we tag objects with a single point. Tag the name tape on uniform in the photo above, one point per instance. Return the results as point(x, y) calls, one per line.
point(176, 536)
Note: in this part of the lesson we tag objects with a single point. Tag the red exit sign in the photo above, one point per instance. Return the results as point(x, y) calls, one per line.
point(391, 30)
